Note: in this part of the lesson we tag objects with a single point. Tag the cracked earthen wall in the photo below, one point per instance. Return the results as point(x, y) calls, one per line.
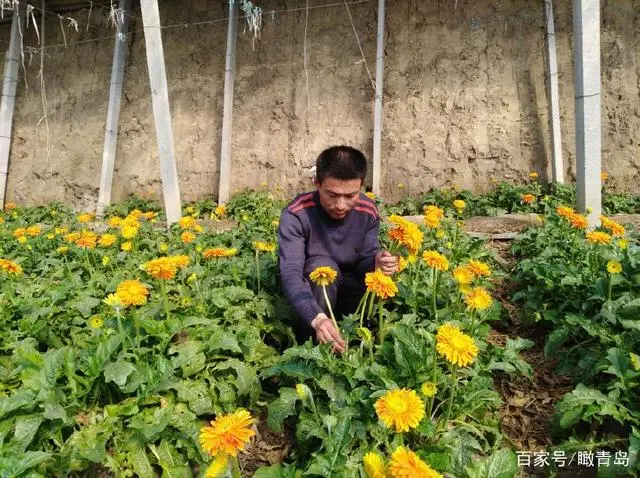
point(464, 100)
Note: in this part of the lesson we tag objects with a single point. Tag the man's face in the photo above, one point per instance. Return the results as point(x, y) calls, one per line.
point(338, 196)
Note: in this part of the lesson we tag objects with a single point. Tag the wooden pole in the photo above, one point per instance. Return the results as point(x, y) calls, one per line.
point(113, 112)
point(161, 111)
point(7, 105)
point(557, 170)
point(586, 27)
point(377, 116)
point(227, 115)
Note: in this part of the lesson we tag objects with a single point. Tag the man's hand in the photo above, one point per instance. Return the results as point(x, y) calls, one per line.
point(326, 332)
point(386, 262)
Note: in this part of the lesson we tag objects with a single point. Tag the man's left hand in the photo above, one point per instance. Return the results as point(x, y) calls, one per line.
point(386, 262)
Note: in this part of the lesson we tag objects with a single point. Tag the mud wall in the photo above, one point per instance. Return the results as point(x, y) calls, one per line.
point(464, 99)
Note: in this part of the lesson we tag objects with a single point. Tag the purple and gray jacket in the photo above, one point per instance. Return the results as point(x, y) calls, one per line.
point(307, 232)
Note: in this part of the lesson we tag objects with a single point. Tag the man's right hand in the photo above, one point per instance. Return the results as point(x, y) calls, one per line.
point(326, 332)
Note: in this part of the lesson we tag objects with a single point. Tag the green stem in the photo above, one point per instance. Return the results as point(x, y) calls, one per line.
point(433, 377)
point(258, 270)
point(473, 322)
point(326, 298)
point(434, 307)
point(165, 302)
point(123, 337)
point(380, 324)
point(361, 307)
point(609, 288)
point(454, 379)
point(235, 472)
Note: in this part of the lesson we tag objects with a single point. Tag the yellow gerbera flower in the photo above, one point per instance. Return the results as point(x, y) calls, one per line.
point(20, 232)
point(463, 275)
point(406, 233)
point(434, 211)
point(323, 275)
point(370, 196)
point(431, 220)
point(10, 267)
point(613, 227)
point(187, 237)
point(264, 246)
point(459, 204)
point(213, 252)
point(406, 464)
point(578, 221)
point(62, 249)
point(217, 467)
point(232, 251)
point(598, 237)
point(478, 299)
point(112, 300)
point(180, 260)
point(114, 221)
point(129, 231)
point(400, 409)
point(33, 231)
point(227, 434)
point(435, 260)
point(380, 284)
point(402, 264)
point(374, 465)
point(132, 292)
point(106, 260)
point(87, 240)
point(107, 240)
point(454, 345)
point(161, 268)
point(533, 175)
point(623, 244)
point(479, 268)
point(614, 267)
point(221, 210)
point(604, 176)
point(96, 322)
point(85, 217)
point(428, 389)
point(126, 246)
point(22, 239)
point(564, 211)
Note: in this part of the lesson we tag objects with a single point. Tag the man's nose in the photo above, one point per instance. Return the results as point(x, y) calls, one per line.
point(342, 203)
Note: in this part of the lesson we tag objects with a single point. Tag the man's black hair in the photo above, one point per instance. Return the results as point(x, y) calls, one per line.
point(341, 162)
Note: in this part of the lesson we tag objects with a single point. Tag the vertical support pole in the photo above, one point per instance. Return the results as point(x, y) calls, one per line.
point(161, 111)
point(227, 115)
point(7, 105)
point(586, 27)
point(377, 116)
point(557, 169)
point(113, 113)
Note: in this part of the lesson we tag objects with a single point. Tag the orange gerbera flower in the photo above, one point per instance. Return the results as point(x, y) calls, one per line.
point(479, 268)
point(598, 237)
point(528, 198)
point(132, 292)
point(435, 260)
point(578, 221)
point(406, 464)
point(227, 434)
point(161, 268)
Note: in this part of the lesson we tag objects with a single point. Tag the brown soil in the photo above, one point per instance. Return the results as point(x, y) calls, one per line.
point(268, 448)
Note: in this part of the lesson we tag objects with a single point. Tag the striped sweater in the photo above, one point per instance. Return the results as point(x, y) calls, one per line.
point(307, 231)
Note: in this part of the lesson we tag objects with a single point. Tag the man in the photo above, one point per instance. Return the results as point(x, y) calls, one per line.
point(335, 226)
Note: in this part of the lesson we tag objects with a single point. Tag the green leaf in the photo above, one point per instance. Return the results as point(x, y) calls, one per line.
point(277, 471)
point(138, 460)
point(247, 381)
point(224, 341)
point(26, 427)
point(196, 394)
point(281, 408)
point(297, 370)
point(619, 360)
point(501, 464)
point(102, 354)
point(86, 305)
point(54, 411)
point(118, 372)
point(27, 461)
point(22, 398)
point(169, 460)
point(189, 357)
point(151, 422)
